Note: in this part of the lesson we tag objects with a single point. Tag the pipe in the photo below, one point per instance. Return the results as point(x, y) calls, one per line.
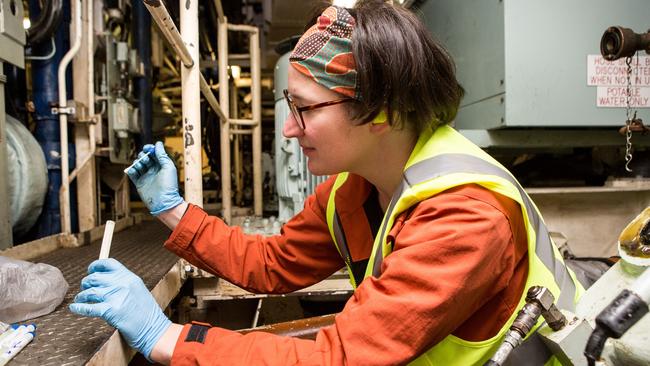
point(244, 122)
point(224, 99)
point(64, 192)
point(142, 42)
point(191, 109)
point(257, 313)
point(539, 301)
point(84, 162)
point(220, 17)
point(618, 42)
point(237, 153)
point(171, 66)
point(27, 175)
point(209, 96)
point(256, 90)
point(302, 328)
point(243, 28)
point(166, 25)
point(44, 91)
point(17, 85)
point(90, 49)
point(47, 22)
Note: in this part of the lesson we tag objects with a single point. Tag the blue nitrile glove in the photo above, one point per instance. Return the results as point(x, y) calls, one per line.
point(118, 296)
point(156, 179)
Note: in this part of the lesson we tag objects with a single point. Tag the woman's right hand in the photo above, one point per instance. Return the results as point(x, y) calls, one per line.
point(156, 179)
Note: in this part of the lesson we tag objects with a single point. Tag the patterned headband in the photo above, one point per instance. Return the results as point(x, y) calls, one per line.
point(324, 52)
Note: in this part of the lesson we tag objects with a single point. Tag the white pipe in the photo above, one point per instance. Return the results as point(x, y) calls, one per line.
point(257, 313)
point(219, 8)
point(256, 90)
point(212, 100)
point(224, 99)
point(64, 193)
point(239, 56)
point(237, 153)
point(244, 122)
point(85, 162)
point(166, 25)
point(191, 96)
point(243, 28)
point(90, 52)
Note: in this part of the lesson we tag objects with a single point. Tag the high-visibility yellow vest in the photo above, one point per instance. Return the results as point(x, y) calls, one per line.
point(443, 159)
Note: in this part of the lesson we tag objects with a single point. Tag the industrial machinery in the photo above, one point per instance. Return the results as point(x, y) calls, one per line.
point(542, 88)
point(122, 67)
point(609, 326)
point(12, 40)
point(609, 322)
point(294, 181)
point(106, 79)
point(27, 176)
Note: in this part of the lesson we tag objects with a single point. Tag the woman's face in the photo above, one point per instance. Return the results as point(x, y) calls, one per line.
point(331, 140)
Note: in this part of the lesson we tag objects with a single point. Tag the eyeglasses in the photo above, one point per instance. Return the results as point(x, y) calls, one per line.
point(297, 111)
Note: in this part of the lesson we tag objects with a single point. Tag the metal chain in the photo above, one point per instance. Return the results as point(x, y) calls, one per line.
point(628, 115)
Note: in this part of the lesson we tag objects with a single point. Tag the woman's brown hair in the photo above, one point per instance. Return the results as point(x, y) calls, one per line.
point(401, 68)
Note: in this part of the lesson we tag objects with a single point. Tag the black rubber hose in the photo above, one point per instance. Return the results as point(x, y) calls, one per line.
point(47, 22)
point(595, 345)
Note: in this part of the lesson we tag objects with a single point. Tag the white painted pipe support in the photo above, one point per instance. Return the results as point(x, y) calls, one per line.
point(191, 99)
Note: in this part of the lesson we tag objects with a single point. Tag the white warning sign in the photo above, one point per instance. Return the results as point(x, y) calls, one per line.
point(616, 97)
point(601, 72)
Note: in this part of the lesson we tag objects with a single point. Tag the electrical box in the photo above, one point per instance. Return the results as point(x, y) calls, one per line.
point(525, 63)
point(12, 33)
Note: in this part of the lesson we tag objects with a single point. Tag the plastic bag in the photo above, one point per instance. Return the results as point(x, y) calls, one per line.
point(29, 290)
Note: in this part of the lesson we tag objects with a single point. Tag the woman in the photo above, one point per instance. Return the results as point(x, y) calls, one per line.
point(440, 241)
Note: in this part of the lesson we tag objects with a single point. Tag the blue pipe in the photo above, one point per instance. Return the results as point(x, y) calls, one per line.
point(47, 133)
point(15, 101)
point(141, 32)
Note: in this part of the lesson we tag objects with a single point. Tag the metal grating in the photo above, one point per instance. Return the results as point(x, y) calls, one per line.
point(63, 338)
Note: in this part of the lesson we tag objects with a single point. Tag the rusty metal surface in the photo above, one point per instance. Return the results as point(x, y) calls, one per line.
point(213, 288)
point(63, 338)
point(301, 328)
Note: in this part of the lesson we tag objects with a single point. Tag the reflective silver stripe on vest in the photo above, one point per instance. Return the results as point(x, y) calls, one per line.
point(341, 242)
point(376, 268)
point(461, 163)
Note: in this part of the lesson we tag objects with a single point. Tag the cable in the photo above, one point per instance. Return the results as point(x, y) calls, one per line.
point(621, 314)
point(47, 22)
point(44, 58)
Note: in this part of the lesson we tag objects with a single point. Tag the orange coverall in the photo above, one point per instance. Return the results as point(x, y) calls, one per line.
point(458, 266)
